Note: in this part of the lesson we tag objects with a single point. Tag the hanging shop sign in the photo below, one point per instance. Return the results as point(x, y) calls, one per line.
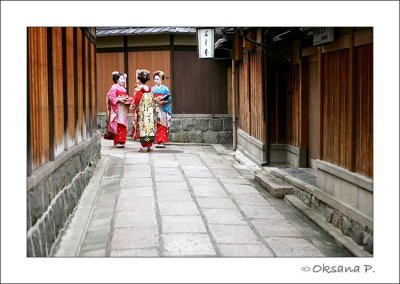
point(205, 42)
point(323, 35)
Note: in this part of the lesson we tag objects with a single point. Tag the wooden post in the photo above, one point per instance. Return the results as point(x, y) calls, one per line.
point(350, 162)
point(50, 92)
point(233, 106)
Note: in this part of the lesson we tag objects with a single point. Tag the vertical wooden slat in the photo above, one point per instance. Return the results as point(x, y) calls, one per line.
point(325, 107)
point(79, 76)
point(342, 111)
point(86, 88)
point(314, 109)
point(93, 84)
point(90, 79)
point(321, 101)
point(29, 112)
point(70, 58)
point(65, 88)
point(38, 92)
point(50, 93)
point(335, 108)
point(350, 113)
point(76, 84)
point(58, 102)
point(370, 171)
point(248, 92)
point(304, 99)
point(83, 82)
point(244, 96)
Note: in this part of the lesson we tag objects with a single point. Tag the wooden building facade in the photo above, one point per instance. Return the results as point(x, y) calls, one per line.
point(310, 105)
point(61, 91)
point(197, 86)
point(62, 143)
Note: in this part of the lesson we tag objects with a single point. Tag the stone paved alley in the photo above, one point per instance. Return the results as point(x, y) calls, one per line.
point(185, 201)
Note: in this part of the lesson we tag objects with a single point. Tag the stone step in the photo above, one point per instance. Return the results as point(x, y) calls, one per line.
point(277, 187)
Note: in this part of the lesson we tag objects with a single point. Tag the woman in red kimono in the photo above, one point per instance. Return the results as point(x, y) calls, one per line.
point(143, 112)
point(118, 107)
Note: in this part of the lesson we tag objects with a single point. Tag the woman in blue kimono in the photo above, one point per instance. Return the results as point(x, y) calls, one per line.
point(163, 109)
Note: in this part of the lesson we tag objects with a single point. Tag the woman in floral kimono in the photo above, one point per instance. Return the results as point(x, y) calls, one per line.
point(163, 109)
point(144, 112)
point(118, 107)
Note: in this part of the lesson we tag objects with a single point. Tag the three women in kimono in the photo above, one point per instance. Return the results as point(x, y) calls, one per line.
point(117, 109)
point(151, 110)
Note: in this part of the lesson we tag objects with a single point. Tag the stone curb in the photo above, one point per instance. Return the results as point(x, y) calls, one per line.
point(79, 220)
point(335, 233)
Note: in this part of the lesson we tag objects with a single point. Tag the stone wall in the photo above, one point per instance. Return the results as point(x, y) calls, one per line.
point(192, 128)
point(53, 192)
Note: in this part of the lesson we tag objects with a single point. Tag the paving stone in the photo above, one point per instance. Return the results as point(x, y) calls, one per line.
point(293, 247)
point(92, 248)
point(127, 219)
point(94, 253)
point(245, 250)
point(173, 194)
point(216, 202)
point(145, 191)
point(275, 228)
point(207, 191)
point(261, 212)
point(101, 213)
point(224, 216)
point(151, 252)
point(198, 174)
point(128, 238)
point(167, 171)
point(194, 168)
point(233, 234)
point(143, 173)
point(212, 182)
point(136, 204)
point(96, 237)
point(240, 188)
point(178, 208)
point(182, 224)
point(231, 180)
point(187, 244)
point(167, 164)
point(225, 173)
point(167, 185)
point(220, 165)
point(250, 199)
point(166, 178)
point(137, 161)
point(189, 161)
point(137, 167)
point(99, 224)
point(139, 182)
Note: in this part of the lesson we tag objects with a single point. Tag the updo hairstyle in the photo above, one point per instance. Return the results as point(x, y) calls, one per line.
point(143, 76)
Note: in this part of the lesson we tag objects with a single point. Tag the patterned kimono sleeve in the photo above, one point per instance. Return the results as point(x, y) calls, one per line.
point(168, 100)
point(112, 96)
